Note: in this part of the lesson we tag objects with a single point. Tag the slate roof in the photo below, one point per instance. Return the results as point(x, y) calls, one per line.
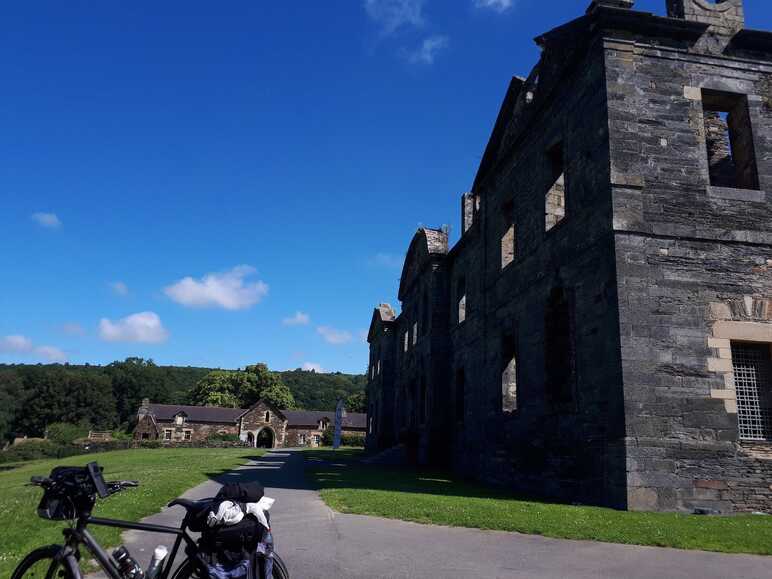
point(196, 413)
point(214, 414)
point(312, 417)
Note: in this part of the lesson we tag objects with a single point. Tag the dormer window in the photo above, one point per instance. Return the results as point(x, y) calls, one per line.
point(179, 420)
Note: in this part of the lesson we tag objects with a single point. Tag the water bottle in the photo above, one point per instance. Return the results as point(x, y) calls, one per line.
point(156, 562)
point(127, 566)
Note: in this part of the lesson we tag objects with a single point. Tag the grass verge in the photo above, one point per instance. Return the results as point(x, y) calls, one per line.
point(436, 498)
point(163, 474)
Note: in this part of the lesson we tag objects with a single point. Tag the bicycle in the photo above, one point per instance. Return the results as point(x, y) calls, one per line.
point(72, 494)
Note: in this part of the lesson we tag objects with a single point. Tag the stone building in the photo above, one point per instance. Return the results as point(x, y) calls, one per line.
point(601, 331)
point(262, 425)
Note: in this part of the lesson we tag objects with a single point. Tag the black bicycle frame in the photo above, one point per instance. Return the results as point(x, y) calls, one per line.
point(80, 535)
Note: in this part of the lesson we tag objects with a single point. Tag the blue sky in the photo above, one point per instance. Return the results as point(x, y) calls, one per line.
point(221, 183)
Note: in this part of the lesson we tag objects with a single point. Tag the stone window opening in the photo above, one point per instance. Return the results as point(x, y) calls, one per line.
point(302, 439)
point(555, 199)
point(460, 393)
point(267, 416)
point(508, 241)
point(415, 333)
point(752, 374)
point(406, 341)
point(188, 435)
point(559, 348)
point(378, 368)
point(508, 374)
point(167, 434)
point(729, 140)
point(461, 299)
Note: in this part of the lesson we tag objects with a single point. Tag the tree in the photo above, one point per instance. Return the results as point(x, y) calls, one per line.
point(268, 386)
point(218, 388)
point(318, 391)
point(132, 380)
point(11, 396)
point(65, 433)
point(56, 394)
point(242, 389)
point(356, 402)
point(279, 395)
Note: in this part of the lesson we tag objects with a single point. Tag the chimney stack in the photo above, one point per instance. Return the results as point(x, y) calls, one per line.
point(725, 16)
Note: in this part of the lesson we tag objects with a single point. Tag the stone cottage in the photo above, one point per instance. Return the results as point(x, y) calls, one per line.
point(262, 425)
point(601, 331)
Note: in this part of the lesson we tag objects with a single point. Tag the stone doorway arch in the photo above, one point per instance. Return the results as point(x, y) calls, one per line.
point(266, 438)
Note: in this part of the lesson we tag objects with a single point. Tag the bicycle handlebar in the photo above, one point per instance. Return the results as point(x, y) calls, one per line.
point(114, 486)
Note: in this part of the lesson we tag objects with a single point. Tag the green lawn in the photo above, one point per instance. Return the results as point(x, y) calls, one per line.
point(439, 499)
point(163, 474)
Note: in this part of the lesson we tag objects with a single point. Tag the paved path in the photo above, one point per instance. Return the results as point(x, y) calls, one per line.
point(317, 543)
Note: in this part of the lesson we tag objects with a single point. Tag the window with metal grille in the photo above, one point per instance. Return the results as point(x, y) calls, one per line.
point(753, 384)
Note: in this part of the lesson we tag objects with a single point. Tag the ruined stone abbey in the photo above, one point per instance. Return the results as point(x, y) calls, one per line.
point(601, 331)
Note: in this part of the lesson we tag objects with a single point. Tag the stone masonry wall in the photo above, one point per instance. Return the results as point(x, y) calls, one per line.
point(685, 252)
point(254, 421)
point(571, 450)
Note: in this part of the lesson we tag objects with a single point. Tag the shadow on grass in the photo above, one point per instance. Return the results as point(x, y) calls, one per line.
point(343, 469)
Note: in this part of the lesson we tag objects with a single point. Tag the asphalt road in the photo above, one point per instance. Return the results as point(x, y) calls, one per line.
point(316, 543)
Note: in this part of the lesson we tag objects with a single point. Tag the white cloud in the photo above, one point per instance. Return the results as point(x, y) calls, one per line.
point(142, 327)
point(73, 329)
point(386, 260)
point(227, 290)
point(333, 336)
point(51, 353)
point(299, 319)
point(427, 52)
point(17, 344)
point(312, 367)
point(496, 5)
point(49, 220)
point(391, 15)
point(119, 288)
point(363, 335)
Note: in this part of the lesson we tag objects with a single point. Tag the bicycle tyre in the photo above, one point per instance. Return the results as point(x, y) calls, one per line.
point(38, 555)
point(189, 569)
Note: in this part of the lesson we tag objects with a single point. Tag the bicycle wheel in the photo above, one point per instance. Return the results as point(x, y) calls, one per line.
point(279, 568)
point(190, 570)
point(42, 564)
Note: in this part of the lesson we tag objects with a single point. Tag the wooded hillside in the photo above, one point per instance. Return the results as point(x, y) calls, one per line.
point(107, 397)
